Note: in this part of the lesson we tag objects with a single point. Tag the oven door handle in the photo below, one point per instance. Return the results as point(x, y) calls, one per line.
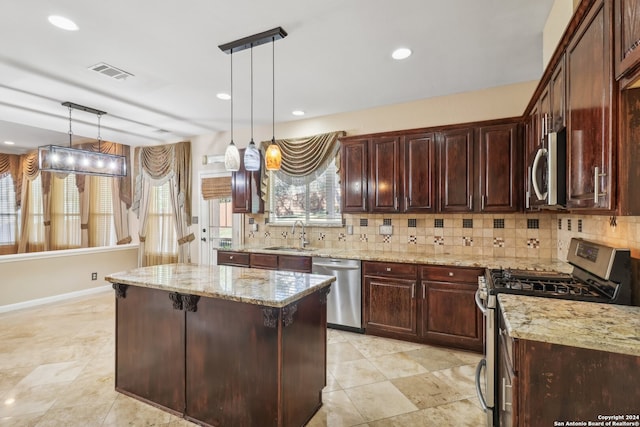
point(483, 402)
point(479, 303)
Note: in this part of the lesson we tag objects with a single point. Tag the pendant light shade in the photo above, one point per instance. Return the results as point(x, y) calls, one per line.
point(251, 154)
point(231, 154)
point(273, 157)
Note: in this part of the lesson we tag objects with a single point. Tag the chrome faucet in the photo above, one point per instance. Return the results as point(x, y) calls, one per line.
point(303, 241)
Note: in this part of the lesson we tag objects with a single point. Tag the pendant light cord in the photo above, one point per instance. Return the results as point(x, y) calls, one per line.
point(99, 137)
point(252, 93)
point(273, 89)
point(232, 96)
point(70, 131)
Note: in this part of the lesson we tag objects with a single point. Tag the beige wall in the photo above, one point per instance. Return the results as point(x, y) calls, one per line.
point(493, 103)
point(29, 277)
point(557, 21)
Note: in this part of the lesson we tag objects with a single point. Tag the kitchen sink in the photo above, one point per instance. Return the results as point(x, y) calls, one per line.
point(288, 248)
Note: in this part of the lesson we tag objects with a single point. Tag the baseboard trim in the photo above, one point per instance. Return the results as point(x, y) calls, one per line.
point(54, 298)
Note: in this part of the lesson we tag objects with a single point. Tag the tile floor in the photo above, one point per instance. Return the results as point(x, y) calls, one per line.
point(57, 369)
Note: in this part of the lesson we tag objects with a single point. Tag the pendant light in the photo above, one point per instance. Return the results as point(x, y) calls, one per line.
point(232, 155)
point(251, 154)
point(273, 156)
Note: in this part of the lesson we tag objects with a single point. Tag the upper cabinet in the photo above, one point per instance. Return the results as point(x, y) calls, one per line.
point(384, 185)
point(245, 190)
point(627, 35)
point(589, 120)
point(456, 170)
point(354, 170)
point(418, 172)
point(500, 162)
point(557, 97)
point(435, 170)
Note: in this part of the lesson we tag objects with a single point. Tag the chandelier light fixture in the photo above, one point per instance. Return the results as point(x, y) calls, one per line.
point(252, 154)
point(273, 156)
point(232, 155)
point(56, 158)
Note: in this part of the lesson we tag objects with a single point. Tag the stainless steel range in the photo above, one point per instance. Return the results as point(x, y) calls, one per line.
point(600, 274)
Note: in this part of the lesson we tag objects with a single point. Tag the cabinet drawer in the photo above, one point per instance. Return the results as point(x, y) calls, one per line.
point(266, 261)
point(393, 269)
point(451, 274)
point(294, 263)
point(240, 259)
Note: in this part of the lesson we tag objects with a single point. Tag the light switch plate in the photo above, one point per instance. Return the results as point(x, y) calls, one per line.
point(386, 229)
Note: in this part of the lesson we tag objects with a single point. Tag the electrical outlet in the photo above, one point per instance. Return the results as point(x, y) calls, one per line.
point(386, 230)
point(94, 276)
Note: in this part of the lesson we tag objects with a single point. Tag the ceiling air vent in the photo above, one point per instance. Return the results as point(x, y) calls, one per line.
point(110, 71)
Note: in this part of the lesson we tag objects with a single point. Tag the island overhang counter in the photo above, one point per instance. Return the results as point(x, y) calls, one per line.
point(222, 345)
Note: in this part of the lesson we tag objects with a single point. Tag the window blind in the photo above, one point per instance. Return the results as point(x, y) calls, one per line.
point(216, 188)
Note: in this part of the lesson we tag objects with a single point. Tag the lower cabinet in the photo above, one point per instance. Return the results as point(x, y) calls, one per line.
point(448, 312)
point(301, 264)
point(540, 384)
point(431, 304)
point(390, 299)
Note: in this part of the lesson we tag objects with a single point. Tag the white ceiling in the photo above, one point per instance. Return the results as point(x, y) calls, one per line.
point(335, 59)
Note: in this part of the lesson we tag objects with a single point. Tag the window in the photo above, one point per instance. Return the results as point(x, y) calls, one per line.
point(220, 222)
point(35, 216)
point(101, 228)
point(8, 212)
point(161, 245)
point(65, 213)
point(316, 202)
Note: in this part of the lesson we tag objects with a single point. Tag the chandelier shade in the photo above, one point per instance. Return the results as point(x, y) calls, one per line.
point(56, 158)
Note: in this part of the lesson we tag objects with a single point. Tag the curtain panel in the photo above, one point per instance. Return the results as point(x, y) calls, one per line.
point(11, 164)
point(302, 158)
point(155, 166)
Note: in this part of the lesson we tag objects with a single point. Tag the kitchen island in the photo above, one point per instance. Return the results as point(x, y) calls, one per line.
point(222, 345)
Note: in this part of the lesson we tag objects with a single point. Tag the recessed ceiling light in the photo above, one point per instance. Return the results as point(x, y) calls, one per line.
point(62, 22)
point(224, 96)
point(401, 53)
point(9, 142)
point(297, 113)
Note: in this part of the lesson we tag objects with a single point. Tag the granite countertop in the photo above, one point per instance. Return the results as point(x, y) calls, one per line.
point(254, 286)
point(606, 327)
point(427, 257)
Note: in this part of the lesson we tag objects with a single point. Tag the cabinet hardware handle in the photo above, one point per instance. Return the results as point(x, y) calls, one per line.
point(504, 394)
point(527, 196)
point(424, 291)
point(406, 203)
point(596, 186)
point(395, 203)
point(471, 202)
point(388, 268)
point(482, 199)
point(451, 274)
point(246, 204)
point(230, 256)
point(413, 290)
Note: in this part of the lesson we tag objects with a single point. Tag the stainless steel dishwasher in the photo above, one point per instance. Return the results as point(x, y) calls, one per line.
point(344, 302)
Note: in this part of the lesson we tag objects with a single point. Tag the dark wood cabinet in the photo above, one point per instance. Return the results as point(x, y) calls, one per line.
point(419, 165)
point(500, 178)
point(301, 264)
point(150, 348)
point(238, 259)
point(627, 35)
point(456, 170)
point(540, 383)
point(449, 315)
point(589, 105)
point(245, 190)
point(390, 299)
point(384, 179)
point(557, 94)
point(354, 175)
point(264, 261)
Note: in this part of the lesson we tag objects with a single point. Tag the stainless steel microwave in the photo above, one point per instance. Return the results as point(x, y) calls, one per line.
point(548, 172)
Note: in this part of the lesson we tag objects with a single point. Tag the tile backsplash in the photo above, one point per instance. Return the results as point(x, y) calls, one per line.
point(531, 235)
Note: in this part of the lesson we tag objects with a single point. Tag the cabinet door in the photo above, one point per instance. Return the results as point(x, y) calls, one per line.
point(500, 173)
point(557, 88)
point(450, 316)
point(456, 171)
point(627, 35)
point(390, 305)
point(383, 175)
point(245, 189)
point(150, 345)
point(589, 89)
point(507, 393)
point(419, 178)
point(354, 171)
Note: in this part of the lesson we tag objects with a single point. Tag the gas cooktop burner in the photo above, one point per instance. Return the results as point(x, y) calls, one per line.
point(544, 283)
